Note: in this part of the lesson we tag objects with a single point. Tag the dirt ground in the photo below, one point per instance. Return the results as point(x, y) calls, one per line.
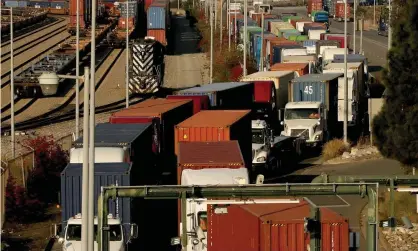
point(30, 236)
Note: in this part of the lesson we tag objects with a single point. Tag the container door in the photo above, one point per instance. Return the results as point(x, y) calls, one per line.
point(309, 91)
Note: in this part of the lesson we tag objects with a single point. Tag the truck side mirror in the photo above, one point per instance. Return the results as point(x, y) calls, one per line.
point(134, 231)
point(175, 241)
point(280, 114)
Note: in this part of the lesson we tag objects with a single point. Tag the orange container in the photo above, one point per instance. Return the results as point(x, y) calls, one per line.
point(300, 68)
point(271, 39)
point(217, 125)
point(159, 35)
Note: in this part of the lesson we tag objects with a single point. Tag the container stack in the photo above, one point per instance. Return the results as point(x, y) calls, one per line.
point(158, 20)
point(59, 7)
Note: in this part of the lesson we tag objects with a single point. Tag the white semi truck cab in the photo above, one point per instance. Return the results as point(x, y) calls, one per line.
point(261, 142)
point(118, 239)
point(307, 120)
point(197, 219)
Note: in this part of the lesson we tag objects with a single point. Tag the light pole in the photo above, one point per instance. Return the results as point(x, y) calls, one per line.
point(90, 225)
point(47, 78)
point(33, 153)
point(345, 75)
point(127, 58)
point(262, 42)
point(77, 71)
point(389, 26)
point(228, 9)
point(12, 87)
point(211, 41)
point(245, 38)
point(220, 27)
point(374, 11)
point(355, 28)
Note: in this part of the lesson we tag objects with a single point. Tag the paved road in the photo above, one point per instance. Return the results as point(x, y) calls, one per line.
point(186, 67)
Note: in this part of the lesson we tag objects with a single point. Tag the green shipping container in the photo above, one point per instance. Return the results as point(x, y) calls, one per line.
point(299, 38)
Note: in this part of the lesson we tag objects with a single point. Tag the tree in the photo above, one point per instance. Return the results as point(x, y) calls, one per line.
point(396, 126)
point(44, 180)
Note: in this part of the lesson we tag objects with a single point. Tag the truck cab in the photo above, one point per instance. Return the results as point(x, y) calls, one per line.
point(264, 8)
point(307, 120)
point(261, 140)
point(118, 237)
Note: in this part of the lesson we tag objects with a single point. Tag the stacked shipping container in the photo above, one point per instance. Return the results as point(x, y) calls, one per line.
point(158, 20)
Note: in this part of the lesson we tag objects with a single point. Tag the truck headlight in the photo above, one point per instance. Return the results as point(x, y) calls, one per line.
point(317, 137)
point(261, 159)
point(195, 241)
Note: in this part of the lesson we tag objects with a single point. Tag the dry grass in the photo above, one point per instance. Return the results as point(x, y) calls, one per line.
point(405, 205)
point(363, 141)
point(334, 148)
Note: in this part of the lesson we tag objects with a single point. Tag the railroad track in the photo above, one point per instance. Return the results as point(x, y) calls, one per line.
point(35, 28)
point(23, 48)
point(68, 99)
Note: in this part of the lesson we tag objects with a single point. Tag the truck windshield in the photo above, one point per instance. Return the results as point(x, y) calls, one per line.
point(258, 136)
point(74, 232)
point(301, 114)
point(202, 217)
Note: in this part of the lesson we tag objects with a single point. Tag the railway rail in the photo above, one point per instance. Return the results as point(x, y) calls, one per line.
point(30, 30)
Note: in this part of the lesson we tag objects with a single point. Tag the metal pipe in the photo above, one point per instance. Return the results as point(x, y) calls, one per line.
point(245, 37)
point(215, 5)
point(345, 75)
point(228, 9)
point(92, 123)
point(381, 179)
point(12, 87)
point(361, 36)
point(127, 58)
point(392, 201)
point(85, 177)
point(184, 220)
point(255, 191)
point(211, 41)
point(315, 236)
point(389, 26)
point(77, 71)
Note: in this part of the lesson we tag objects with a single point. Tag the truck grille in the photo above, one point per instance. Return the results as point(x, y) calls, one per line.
point(300, 133)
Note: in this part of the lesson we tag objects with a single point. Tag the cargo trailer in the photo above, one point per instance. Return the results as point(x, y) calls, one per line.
point(299, 68)
point(214, 126)
point(221, 95)
point(321, 45)
point(277, 51)
point(200, 102)
point(278, 227)
point(164, 114)
point(314, 5)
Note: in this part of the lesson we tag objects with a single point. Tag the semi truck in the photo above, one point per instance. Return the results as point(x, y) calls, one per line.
point(312, 112)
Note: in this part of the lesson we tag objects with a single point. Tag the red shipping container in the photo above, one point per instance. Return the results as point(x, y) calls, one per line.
point(272, 227)
point(218, 125)
point(148, 3)
point(263, 91)
point(314, 5)
point(339, 10)
point(167, 112)
point(338, 38)
point(300, 68)
point(200, 102)
point(73, 21)
point(122, 22)
point(159, 35)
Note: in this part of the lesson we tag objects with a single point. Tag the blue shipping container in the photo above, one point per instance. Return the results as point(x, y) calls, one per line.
point(321, 17)
point(23, 3)
point(257, 51)
point(309, 43)
point(250, 22)
point(39, 4)
point(228, 95)
point(316, 88)
point(59, 5)
point(277, 51)
point(156, 17)
point(11, 4)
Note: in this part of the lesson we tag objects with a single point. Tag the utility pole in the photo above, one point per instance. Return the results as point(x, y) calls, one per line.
point(355, 27)
point(127, 57)
point(12, 86)
point(262, 42)
point(361, 36)
point(92, 123)
point(216, 12)
point(374, 12)
point(220, 26)
point(345, 75)
point(389, 26)
point(85, 178)
point(77, 71)
point(211, 41)
point(235, 23)
point(245, 37)
point(228, 9)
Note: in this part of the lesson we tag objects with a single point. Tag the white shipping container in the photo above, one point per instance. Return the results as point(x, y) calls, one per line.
point(328, 54)
point(315, 34)
point(299, 59)
point(101, 155)
point(294, 52)
point(311, 50)
point(300, 25)
point(322, 48)
point(351, 85)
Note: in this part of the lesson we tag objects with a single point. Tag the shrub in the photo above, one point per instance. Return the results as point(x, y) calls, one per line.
point(19, 205)
point(334, 148)
point(405, 205)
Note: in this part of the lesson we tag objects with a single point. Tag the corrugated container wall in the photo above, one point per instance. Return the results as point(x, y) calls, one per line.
point(300, 68)
point(159, 35)
point(314, 5)
point(133, 9)
point(59, 5)
point(156, 17)
point(200, 102)
point(40, 4)
point(213, 126)
point(221, 95)
point(272, 227)
point(11, 4)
